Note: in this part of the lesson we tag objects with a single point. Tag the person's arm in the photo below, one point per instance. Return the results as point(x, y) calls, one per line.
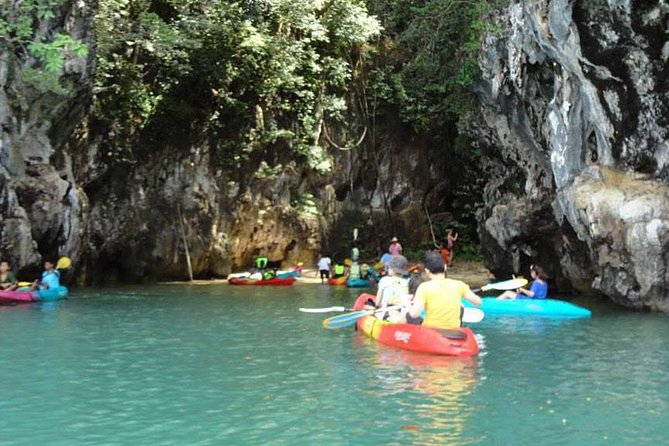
point(527, 292)
point(418, 304)
point(473, 297)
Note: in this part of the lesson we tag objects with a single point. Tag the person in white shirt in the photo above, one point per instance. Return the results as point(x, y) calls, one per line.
point(324, 265)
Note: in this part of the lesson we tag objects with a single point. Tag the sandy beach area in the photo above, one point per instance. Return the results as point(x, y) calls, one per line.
point(473, 273)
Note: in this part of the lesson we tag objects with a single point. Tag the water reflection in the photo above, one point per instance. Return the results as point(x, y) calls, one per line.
point(431, 390)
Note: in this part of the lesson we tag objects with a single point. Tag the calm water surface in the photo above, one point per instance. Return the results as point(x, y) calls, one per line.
point(220, 365)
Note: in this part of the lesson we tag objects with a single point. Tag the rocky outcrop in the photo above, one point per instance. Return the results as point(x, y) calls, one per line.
point(41, 207)
point(573, 122)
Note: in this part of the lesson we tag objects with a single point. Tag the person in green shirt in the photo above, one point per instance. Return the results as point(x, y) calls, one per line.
point(261, 263)
point(339, 270)
point(7, 279)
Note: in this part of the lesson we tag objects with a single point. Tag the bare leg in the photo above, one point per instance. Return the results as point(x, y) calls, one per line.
point(507, 295)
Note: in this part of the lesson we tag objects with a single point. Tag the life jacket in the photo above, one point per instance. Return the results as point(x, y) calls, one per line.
point(395, 293)
point(354, 271)
point(339, 270)
point(261, 262)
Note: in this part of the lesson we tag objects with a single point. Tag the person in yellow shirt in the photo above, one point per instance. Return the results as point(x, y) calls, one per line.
point(440, 297)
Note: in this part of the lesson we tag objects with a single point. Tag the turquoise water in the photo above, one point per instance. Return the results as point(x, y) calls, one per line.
point(220, 365)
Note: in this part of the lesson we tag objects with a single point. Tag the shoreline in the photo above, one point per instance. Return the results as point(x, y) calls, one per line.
point(473, 274)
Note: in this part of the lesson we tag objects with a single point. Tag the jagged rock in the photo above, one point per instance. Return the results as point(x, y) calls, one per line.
point(573, 120)
point(41, 206)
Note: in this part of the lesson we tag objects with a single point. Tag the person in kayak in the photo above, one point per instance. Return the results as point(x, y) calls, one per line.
point(339, 270)
point(414, 283)
point(354, 271)
point(261, 263)
point(538, 289)
point(7, 278)
point(440, 297)
point(393, 289)
point(50, 278)
point(324, 264)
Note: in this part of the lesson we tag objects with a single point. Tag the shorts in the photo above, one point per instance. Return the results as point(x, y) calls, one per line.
point(325, 274)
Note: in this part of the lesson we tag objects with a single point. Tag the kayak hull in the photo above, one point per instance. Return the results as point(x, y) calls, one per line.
point(358, 283)
point(286, 281)
point(452, 342)
point(531, 307)
point(287, 274)
point(31, 296)
point(335, 281)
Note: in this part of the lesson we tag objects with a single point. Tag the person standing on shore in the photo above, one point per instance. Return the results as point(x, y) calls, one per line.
point(395, 248)
point(324, 265)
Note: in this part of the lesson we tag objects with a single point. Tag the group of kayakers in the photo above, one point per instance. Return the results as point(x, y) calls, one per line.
point(50, 277)
point(431, 293)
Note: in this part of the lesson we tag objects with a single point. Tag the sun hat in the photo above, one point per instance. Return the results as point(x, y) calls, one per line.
point(394, 239)
point(398, 264)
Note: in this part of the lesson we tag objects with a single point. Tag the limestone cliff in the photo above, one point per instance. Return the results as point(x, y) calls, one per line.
point(573, 120)
point(41, 207)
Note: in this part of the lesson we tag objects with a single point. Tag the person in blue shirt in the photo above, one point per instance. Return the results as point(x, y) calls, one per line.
point(538, 289)
point(50, 278)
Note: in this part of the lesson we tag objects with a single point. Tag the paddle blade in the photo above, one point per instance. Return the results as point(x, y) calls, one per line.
point(472, 315)
point(322, 310)
point(506, 285)
point(344, 320)
point(63, 263)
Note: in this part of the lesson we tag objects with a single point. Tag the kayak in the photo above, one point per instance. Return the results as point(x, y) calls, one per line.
point(337, 280)
point(31, 296)
point(358, 283)
point(450, 342)
point(276, 281)
point(287, 274)
point(52, 294)
point(531, 307)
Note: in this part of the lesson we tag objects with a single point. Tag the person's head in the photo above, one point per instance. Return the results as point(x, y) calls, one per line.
point(4, 266)
point(434, 262)
point(394, 240)
point(416, 279)
point(48, 265)
point(398, 266)
point(538, 272)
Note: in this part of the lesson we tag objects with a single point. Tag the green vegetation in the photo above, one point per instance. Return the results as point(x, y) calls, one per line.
point(254, 81)
point(426, 63)
point(250, 78)
point(26, 32)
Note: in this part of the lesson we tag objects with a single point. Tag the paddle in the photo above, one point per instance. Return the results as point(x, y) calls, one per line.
point(344, 320)
point(470, 315)
point(502, 286)
point(347, 319)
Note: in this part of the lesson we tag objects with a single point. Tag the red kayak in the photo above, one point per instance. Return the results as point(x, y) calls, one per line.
point(277, 281)
point(450, 342)
point(337, 280)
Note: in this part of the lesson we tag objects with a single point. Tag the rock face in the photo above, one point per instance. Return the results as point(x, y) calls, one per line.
point(573, 121)
point(41, 209)
point(127, 220)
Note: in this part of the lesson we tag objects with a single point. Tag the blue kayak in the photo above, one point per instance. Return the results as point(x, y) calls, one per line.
point(288, 274)
point(52, 294)
point(358, 283)
point(531, 307)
